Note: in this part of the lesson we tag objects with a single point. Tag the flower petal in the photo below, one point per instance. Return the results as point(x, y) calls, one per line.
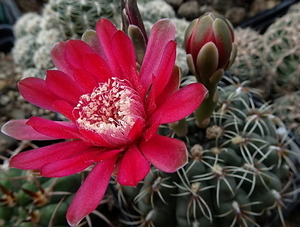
point(153, 125)
point(72, 165)
point(181, 104)
point(91, 192)
point(74, 51)
point(97, 66)
point(35, 90)
point(165, 153)
point(136, 129)
point(36, 158)
point(161, 33)
point(171, 87)
point(65, 108)
point(105, 31)
point(133, 167)
point(19, 129)
point(59, 58)
point(86, 80)
point(63, 86)
point(96, 138)
point(107, 154)
point(165, 67)
point(56, 129)
point(125, 55)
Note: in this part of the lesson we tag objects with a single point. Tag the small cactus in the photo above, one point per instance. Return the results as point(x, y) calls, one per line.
point(28, 200)
point(248, 64)
point(59, 21)
point(243, 155)
point(282, 53)
point(287, 109)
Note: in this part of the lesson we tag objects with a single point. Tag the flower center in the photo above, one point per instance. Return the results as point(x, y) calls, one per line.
point(110, 110)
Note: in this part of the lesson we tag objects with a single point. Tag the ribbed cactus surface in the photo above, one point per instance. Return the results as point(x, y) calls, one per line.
point(239, 171)
point(28, 200)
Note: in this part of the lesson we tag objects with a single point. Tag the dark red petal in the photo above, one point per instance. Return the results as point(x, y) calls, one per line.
point(152, 127)
point(107, 154)
point(151, 97)
point(95, 138)
point(18, 129)
point(65, 108)
point(133, 167)
point(35, 90)
point(181, 104)
point(171, 87)
point(59, 58)
point(125, 55)
point(56, 129)
point(74, 52)
point(72, 165)
point(161, 33)
point(165, 153)
point(165, 67)
point(36, 158)
point(86, 80)
point(91, 192)
point(97, 66)
point(136, 129)
point(105, 31)
point(63, 86)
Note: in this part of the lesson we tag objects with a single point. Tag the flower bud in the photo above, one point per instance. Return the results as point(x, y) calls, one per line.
point(209, 43)
point(133, 26)
point(210, 48)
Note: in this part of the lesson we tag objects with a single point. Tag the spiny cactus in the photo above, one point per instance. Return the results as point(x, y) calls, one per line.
point(282, 53)
point(248, 64)
point(238, 176)
point(155, 9)
point(75, 17)
point(28, 200)
point(59, 21)
point(28, 24)
point(287, 109)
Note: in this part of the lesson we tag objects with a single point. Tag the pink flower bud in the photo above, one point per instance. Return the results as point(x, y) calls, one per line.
point(209, 45)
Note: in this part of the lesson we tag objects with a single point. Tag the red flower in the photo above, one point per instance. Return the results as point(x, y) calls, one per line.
point(114, 112)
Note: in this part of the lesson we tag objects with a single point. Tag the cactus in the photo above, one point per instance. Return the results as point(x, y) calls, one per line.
point(155, 10)
point(282, 53)
point(248, 64)
point(287, 109)
point(240, 173)
point(28, 200)
point(24, 50)
point(75, 17)
point(59, 21)
point(29, 23)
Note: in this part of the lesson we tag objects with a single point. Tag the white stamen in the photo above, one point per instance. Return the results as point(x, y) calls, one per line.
point(110, 110)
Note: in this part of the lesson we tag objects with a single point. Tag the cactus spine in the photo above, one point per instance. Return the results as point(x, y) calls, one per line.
point(236, 177)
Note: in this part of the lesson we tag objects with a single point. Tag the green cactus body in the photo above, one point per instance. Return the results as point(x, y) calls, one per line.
point(236, 177)
point(248, 64)
point(282, 53)
point(59, 21)
point(76, 17)
point(287, 109)
point(27, 200)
